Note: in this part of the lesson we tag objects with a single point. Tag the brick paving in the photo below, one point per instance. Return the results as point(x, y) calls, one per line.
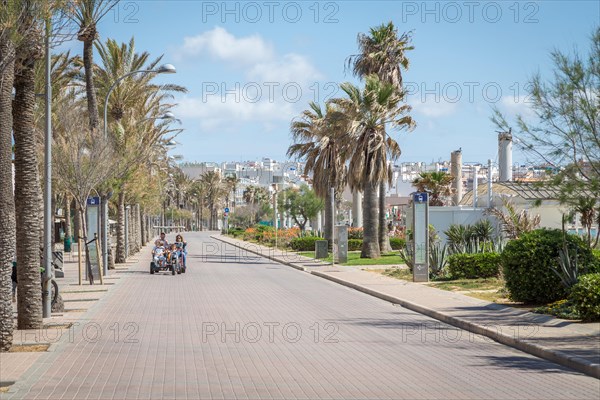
point(250, 328)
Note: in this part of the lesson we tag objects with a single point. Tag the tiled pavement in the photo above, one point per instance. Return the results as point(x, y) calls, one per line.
point(250, 328)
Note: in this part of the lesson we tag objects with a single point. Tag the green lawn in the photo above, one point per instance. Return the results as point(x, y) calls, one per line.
point(355, 260)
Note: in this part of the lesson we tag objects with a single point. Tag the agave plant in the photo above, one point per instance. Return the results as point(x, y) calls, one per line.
point(568, 267)
point(437, 260)
point(407, 255)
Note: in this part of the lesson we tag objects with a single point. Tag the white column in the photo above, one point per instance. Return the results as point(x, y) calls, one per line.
point(357, 209)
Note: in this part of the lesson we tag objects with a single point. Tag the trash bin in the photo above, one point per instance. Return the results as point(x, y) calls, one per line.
point(68, 242)
point(321, 249)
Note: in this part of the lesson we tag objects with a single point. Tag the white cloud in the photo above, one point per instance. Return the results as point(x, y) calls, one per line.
point(288, 68)
point(513, 106)
point(222, 45)
point(434, 109)
point(269, 89)
point(215, 113)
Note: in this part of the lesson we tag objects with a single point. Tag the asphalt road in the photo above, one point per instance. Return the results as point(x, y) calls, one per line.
point(239, 326)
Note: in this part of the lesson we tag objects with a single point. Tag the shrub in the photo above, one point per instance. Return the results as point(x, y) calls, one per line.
point(585, 296)
point(527, 265)
point(355, 233)
point(397, 243)
point(471, 266)
point(354, 244)
point(306, 243)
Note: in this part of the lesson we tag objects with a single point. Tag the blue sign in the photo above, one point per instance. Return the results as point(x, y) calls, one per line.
point(93, 201)
point(226, 209)
point(420, 197)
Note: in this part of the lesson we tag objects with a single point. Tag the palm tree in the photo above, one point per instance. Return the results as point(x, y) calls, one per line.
point(437, 184)
point(382, 53)
point(319, 136)
point(87, 14)
point(131, 103)
point(368, 111)
point(231, 181)
point(215, 191)
point(7, 201)
point(514, 223)
point(27, 187)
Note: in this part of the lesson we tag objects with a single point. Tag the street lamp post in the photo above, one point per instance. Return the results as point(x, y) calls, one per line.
point(164, 69)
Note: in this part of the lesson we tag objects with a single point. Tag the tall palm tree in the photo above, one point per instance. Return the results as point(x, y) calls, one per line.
point(231, 181)
point(27, 187)
point(320, 140)
point(368, 111)
point(382, 53)
point(132, 106)
point(87, 14)
point(7, 201)
point(215, 191)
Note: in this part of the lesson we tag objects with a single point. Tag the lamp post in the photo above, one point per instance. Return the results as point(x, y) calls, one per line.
point(163, 69)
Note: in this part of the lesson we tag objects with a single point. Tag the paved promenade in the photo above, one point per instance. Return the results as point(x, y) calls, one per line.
point(239, 326)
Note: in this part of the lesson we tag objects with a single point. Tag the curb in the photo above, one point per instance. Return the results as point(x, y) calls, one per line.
point(558, 357)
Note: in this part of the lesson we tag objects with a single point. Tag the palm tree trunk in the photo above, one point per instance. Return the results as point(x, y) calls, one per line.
point(384, 237)
point(121, 257)
point(370, 247)
point(77, 223)
point(68, 226)
point(27, 192)
point(143, 223)
point(90, 89)
point(7, 201)
point(328, 231)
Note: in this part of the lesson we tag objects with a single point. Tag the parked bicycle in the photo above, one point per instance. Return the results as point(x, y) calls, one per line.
point(53, 285)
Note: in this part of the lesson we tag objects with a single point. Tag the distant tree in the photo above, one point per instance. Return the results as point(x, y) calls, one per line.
point(437, 184)
point(301, 204)
point(565, 132)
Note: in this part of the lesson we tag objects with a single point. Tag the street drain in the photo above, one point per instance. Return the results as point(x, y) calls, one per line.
point(78, 300)
point(75, 309)
point(58, 326)
point(29, 348)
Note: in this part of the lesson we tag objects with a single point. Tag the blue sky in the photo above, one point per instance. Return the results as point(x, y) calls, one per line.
point(250, 67)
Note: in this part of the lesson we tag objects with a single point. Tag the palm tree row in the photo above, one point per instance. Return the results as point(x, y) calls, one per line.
point(84, 161)
point(346, 143)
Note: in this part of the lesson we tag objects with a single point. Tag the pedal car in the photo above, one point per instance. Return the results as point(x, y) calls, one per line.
point(163, 260)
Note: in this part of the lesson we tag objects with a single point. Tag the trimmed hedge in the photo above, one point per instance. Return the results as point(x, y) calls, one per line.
point(306, 243)
point(397, 243)
point(585, 296)
point(355, 244)
point(472, 266)
point(527, 265)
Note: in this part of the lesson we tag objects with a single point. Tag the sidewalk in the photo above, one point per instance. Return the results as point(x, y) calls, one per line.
point(77, 300)
point(574, 345)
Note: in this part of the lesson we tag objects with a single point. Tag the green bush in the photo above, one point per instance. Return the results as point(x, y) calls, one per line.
point(585, 295)
point(471, 266)
point(354, 244)
point(397, 243)
point(596, 253)
point(527, 265)
point(306, 243)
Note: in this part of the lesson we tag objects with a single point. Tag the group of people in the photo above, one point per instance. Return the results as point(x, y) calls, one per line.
point(163, 249)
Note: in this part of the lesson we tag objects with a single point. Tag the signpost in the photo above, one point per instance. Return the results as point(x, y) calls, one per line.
point(421, 237)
